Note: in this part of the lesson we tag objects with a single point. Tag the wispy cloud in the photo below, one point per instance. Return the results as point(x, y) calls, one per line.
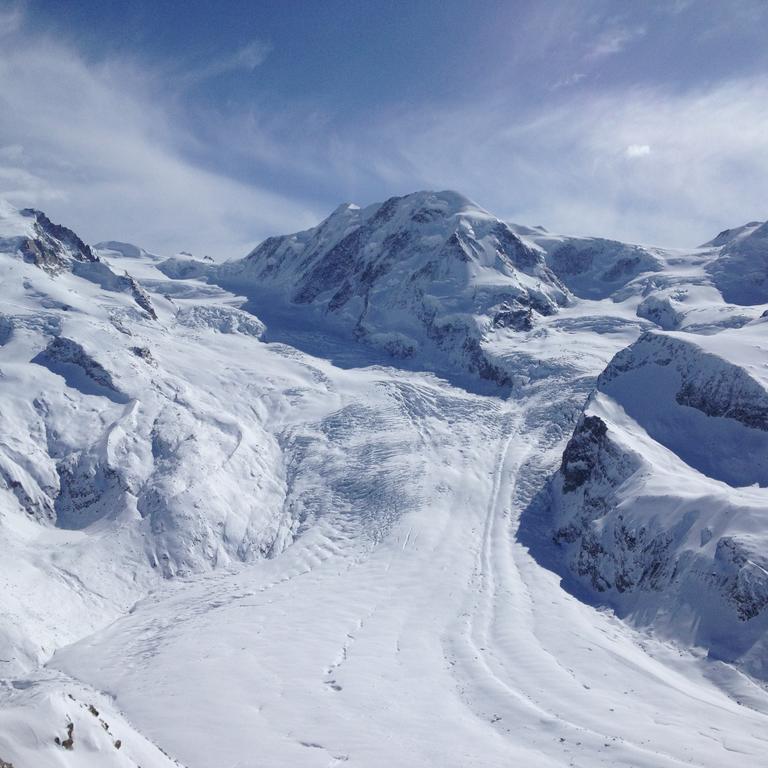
point(99, 147)
point(109, 148)
point(569, 80)
point(614, 40)
point(705, 159)
point(11, 19)
point(245, 59)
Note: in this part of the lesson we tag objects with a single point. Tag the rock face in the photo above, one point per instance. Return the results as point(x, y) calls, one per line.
point(725, 409)
point(728, 236)
point(429, 273)
point(659, 503)
point(662, 310)
point(53, 248)
point(82, 371)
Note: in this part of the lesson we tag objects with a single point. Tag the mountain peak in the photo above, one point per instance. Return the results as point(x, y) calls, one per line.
point(728, 236)
point(431, 270)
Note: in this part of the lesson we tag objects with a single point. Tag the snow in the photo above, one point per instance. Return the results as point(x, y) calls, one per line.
point(287, 542)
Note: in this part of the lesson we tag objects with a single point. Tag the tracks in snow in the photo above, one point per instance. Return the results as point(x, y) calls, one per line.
point(509, 677)
point(440, 643)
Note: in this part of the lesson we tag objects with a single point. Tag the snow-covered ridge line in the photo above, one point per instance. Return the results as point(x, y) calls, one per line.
point(55, 249)
point(659, 501)
point(709, 383)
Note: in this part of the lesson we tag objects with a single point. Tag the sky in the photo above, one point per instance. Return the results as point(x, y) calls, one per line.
point(207, 127)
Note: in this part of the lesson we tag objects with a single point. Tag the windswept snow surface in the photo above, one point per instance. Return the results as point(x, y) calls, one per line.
point(276, 546)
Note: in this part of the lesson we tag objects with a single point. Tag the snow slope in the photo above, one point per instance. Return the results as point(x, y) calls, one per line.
point(246, 530)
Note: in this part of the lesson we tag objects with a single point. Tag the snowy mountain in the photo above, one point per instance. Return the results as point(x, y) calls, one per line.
point(265, 513)
point(115, 249)
point(661, 496)
point(428, 275)
point(103, 431)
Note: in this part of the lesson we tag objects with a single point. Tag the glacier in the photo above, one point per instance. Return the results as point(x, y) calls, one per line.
point(416, 486)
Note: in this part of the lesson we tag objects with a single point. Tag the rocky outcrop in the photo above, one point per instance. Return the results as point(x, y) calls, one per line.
point(743, 574)
point(707, 382)
point(56, 249)
point(662, 310)
point(100, 273)
point(53, 247)
point(82, 372)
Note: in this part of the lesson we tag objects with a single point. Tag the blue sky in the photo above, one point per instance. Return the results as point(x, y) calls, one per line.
point(209, 126)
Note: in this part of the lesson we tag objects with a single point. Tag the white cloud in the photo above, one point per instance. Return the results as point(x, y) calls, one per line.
point(614, 40)
point(245, 59)
point(97, 148)
point(11, 19)
point(637, 150)
point(103, 149)
point(569, 80)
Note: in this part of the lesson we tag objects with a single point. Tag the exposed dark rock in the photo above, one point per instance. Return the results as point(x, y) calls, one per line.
point(54, 245)
point(581, 452)
point(145, 354)
point(64, 350)
point(69, 742)
point(513, 316)
point(745, 574)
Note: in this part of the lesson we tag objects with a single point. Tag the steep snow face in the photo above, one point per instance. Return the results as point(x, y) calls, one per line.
point(46, 721)
point(661, 496)
point(740, 270)
point(592, 267)
point(709, 411)
point(36, 239)
point(416, 274)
